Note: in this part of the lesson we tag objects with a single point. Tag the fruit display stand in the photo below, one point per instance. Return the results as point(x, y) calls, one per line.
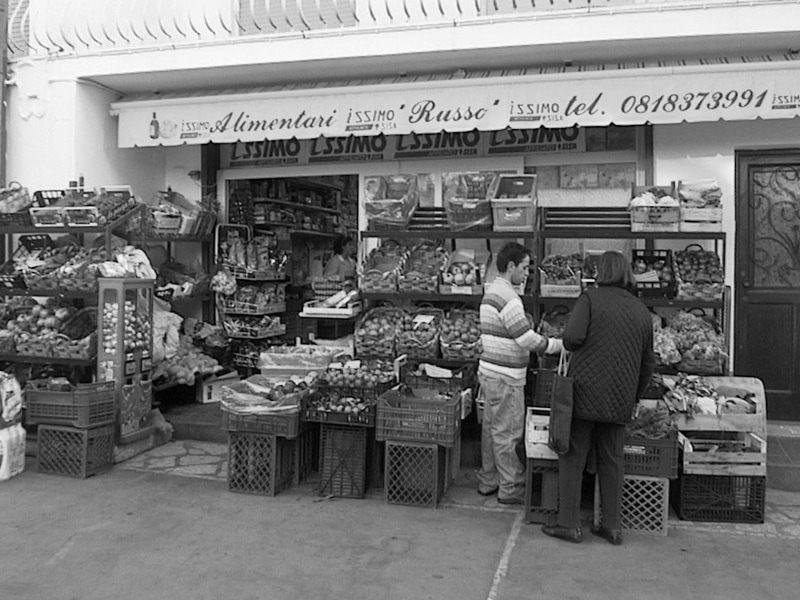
point(125, 351)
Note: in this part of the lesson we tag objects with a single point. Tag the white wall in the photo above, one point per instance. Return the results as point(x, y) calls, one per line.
point(71, 133)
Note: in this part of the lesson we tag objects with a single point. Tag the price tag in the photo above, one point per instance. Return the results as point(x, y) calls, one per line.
point(130, 368)
point(423, 319)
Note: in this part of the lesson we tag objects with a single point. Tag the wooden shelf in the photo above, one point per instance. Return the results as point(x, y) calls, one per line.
point(47, 360)
point(71, 294)
point(442, 234)
point(591, 234)
point(15, 229)
point(295, 205)
point(652, 302)
point(421, 297)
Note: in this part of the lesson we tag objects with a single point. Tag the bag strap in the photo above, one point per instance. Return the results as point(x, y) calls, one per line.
point(563, 363)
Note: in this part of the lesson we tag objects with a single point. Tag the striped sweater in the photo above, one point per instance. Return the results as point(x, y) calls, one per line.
point(506, 334)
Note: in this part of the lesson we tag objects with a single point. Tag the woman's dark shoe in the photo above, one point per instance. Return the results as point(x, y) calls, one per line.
point(614, 536)
point(487, 491)
point(565, 533)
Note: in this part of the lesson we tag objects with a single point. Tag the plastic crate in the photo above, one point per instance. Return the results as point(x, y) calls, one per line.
point(655, 289)
point(75, 452)
point(720, 498)
point(259, 463)
point(83, 405)
point(342, 461)
point(645, 504)
point(282, 425)
point(653, 458)
point(541, 490)
point(415, 473)
point(418, 418)
point(365, 418)
point(305, 451)
point(463, 378)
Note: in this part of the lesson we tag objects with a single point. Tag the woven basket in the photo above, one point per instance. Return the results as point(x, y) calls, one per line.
point(381, 345)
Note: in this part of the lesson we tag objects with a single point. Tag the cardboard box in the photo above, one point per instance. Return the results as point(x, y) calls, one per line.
point(210, 390)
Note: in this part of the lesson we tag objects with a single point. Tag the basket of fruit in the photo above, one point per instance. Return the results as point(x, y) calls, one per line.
point(382, 268)
point(376, 333)
point(419, 333)
point(560, 276)
point(460, 337)
point(14, 203)
point(421, 270)
point(654, 273)
point(699, 274)
point(78, 336)
point(655, 209)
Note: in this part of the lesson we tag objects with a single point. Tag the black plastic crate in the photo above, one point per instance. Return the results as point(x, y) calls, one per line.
point(75, 452)
point(651, 457)
point(259, 463)
point(415, 473)
point(541, 490)
point(306, 449)
point(343, 461)
point(720, 498)
point(656, 289)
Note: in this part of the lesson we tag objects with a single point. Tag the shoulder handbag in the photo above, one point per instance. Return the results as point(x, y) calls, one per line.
point(560, 407)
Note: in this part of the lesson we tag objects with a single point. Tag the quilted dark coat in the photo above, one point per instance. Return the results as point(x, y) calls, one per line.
point(610, 335)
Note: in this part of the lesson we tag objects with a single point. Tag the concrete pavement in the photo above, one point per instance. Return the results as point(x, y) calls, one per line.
point(148, 535)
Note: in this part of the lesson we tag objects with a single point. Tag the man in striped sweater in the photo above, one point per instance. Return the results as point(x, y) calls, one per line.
point(508, 340)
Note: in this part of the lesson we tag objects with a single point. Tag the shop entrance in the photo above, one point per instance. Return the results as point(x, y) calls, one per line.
point(767, 287)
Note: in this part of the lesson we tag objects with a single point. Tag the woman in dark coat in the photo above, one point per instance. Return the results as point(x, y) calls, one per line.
point(610, 336)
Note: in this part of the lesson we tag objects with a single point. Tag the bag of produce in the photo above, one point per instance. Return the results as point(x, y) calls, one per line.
point(466, 200)
point(390, 200)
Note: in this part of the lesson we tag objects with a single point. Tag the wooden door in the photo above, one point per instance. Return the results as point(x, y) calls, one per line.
point(767, 286)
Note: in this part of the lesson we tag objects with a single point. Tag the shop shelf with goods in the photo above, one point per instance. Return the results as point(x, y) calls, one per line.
point(52, 273)
point(125, 351)
point(250, 286)
point(671, 282)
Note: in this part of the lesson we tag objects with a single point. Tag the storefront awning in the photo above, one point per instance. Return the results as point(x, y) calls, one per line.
point(673, 91)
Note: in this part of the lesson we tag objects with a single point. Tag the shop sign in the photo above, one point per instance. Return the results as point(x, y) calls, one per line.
point(666, 94)
point(444, 144)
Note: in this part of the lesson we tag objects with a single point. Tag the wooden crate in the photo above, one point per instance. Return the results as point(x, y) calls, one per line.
point(701, 457)
point(754, 423)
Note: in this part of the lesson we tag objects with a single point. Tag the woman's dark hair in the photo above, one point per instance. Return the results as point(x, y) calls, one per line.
point(340, 242)
point(511, 252)
point(614, 270)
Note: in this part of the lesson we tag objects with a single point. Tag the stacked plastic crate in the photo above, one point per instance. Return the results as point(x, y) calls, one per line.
point(420, 421)
point(76, 426)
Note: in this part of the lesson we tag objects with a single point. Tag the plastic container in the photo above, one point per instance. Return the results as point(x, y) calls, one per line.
point(83, 405)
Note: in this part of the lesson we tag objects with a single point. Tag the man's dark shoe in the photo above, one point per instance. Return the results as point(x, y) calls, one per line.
point(511, 500)
point(487, 491)
point(614, 536)
point(564, 533)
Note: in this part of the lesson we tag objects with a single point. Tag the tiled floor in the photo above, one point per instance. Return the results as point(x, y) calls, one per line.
point(208, 460)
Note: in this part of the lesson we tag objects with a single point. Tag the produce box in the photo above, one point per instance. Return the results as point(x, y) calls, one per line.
point(654, 273)
point(415, 474)
point(464, 272)
point(720, 498)
point(652, 457)
point(514, 202)
point(699, 274)
point(60, 403)
point(754, 423)
point(390, 200)
point(420, 415)
point(466, 200)
point(645, 504)
point(50, 216)
point(541, 488)
point(209, 390)
point(75, 452)
point(314, 309)
point(376, 332)
point(738, 453)
point(343, 461)
point(661, 219)
point(259, 463)
point(281, 424)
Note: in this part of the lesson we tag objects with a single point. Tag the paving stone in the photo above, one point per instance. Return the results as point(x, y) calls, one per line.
point(197, 460)
point(160, 463)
